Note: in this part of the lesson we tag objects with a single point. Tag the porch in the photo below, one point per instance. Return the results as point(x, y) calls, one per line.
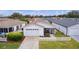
point(48, 31)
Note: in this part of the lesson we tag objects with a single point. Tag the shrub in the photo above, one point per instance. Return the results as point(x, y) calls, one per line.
point(15, 36)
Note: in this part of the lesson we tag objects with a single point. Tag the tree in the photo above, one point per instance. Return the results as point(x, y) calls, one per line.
point(16, 15)
point(73, 14)
point(19, 17)
point(28, 16)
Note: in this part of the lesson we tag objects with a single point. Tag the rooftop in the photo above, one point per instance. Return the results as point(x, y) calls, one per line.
point(66, 22)
point(7, 22)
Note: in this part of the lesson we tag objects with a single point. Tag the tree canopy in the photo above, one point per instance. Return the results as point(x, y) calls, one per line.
point(71, 14)
point(16, 15)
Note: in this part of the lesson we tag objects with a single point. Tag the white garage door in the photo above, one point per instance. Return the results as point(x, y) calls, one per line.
point(33, 32)
point(74, 32)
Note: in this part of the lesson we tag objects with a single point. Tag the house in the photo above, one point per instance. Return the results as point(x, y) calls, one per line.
point(10, 25)
point(38, 28)
point(69, 26)
point(33, 30)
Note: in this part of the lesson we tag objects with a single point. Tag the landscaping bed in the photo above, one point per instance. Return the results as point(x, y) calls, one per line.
point(72, 44)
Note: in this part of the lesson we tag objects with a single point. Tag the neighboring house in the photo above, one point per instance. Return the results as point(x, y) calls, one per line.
point(10, 25)
point(69, 26)
point(38, 28)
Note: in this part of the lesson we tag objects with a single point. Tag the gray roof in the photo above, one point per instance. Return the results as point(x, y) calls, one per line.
point(66, 22)
point(6, 22)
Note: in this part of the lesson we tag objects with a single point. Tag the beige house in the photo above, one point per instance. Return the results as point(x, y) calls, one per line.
point(10, 25)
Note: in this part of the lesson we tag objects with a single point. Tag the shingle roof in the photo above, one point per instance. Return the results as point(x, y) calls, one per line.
point(66, 22)
point(43, 22)
point(6, 22)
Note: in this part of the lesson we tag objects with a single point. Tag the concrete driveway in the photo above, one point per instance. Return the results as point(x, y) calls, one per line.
point(33, 42)
point(29, 43)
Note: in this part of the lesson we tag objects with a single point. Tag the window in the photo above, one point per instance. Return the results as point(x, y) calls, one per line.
point(11, 29)
point(5, 30)
point(1, 29)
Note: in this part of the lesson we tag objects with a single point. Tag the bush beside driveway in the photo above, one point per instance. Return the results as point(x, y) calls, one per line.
point(15, 36)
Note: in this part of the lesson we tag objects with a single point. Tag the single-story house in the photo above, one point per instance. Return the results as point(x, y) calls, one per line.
point(33, 30)
point(69, 26)
point(38, 29)
point(10, 25)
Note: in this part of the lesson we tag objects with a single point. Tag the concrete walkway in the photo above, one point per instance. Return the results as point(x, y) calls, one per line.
point(29, 43)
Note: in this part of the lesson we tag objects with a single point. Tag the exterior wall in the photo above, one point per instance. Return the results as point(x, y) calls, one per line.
point(73, 30)
point(39, 32)
point(33, 30)
point(60, 28)
point(14, 28)
point(22, 25)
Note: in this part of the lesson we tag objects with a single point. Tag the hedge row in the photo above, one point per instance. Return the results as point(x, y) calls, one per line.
point(15, 36)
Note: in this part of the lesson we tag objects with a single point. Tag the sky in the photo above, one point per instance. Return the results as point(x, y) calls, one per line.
point(33, 12)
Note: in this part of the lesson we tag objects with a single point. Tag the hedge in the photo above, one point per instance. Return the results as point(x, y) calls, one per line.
point(15, 36)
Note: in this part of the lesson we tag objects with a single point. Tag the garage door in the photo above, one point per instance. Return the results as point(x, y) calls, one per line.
point(74, 32)
point(33, 32)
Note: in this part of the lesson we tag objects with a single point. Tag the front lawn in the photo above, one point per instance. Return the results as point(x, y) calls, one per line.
point(9, 45)
point(72, 44)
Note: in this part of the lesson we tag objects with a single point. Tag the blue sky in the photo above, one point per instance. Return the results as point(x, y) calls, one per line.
point(33, 12)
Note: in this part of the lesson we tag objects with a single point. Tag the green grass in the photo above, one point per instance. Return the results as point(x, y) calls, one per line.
point(9, 45)
point(72, 44)
point(60, 34)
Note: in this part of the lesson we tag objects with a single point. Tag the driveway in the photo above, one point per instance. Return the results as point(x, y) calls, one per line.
point(33, 42)
point(76, 37)
point(29, 43)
